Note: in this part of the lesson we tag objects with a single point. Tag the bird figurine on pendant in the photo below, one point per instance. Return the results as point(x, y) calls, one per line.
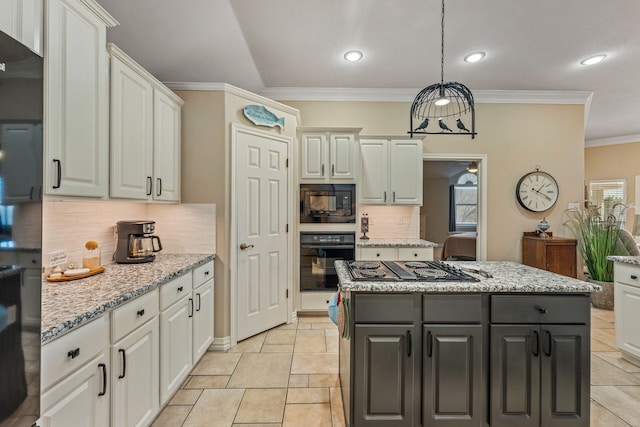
point(443, 125)
point(461, 125)
point(423, 125)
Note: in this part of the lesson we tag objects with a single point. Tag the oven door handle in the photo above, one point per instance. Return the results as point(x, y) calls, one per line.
point(327, 247)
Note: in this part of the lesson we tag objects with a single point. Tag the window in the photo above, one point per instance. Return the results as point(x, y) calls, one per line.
point(607, 196)
point(463, 215)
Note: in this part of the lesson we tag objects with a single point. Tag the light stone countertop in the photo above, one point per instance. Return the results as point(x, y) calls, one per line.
point(67, 305)
point(396, 243)
point(633, 260)
point(508, 277)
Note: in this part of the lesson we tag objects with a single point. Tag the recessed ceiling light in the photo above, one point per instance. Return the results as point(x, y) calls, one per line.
point(474, 57)
point(353, 56)
point(593, 59)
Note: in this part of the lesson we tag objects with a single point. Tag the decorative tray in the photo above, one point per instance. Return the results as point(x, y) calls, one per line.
point(64, 278)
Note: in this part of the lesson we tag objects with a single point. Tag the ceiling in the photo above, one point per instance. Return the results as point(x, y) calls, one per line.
point(266, 45)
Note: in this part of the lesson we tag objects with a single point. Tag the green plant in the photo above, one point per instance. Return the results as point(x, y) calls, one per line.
point(598, 238)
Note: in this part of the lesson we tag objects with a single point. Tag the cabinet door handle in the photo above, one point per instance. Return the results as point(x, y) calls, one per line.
point(322, 170)
point(149, 185)
point(333, 170)
point(31, 192)
point(394, 197)
point(385, 197)
point(140, 313)
point(59, 173)
point(124, 363)
point(159, 181)
point(104, 379)
point(198, 302)
point(74, 353)
point(190, 307)
point(429, 344)
point(542, 310)
point(535, 345)
point(547, 343)
point(409, 344)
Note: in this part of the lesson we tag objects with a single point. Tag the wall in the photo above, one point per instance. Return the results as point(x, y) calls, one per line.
point(615, 162)
point(392, 222)
point(435, 209)
point(516, 139)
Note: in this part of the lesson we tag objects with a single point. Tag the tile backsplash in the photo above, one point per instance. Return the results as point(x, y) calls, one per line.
point(388, 222)
point(68, 225)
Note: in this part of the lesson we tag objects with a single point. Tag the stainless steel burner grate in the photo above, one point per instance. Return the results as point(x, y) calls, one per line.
point(365, 265)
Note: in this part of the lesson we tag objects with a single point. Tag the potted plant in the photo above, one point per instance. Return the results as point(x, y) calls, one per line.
point(598, 237)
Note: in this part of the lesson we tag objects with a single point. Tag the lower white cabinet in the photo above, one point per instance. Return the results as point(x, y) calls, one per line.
point(627, 310)
point(402, 253)
point(202, 318)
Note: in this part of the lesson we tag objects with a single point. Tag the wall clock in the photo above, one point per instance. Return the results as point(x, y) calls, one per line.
point(537, 191)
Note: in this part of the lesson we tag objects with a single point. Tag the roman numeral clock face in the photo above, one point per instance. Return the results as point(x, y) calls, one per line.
point(537, 191)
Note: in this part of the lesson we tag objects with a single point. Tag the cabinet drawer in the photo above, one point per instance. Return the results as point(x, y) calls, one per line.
point(69, 352)
point(202, 274)
point(382, 254)
point(540, 309)
point(381, 308)
point(452, 309)
point(627, 274)
point(133, 314)
point(175, 290)
point(410, 254)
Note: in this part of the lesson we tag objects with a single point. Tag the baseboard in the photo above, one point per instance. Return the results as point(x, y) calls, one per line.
point(220, 344)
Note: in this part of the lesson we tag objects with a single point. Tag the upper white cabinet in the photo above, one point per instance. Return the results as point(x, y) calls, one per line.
point(390, 172)
point(145, 133)
point(76, 98)
point(22, 20)
point(328, 155)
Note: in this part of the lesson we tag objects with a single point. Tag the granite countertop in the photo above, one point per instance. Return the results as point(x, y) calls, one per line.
point(395, 243)
point(507, 277)
point(633, 260)
point(67, 305)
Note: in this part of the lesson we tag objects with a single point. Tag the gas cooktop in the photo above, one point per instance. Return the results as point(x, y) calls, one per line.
point(424, 271)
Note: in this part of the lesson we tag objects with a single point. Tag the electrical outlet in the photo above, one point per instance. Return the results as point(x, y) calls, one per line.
point(573, 206)
point(57, 258)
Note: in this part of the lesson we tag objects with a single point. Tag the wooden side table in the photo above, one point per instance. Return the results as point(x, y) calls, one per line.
point(555, 254)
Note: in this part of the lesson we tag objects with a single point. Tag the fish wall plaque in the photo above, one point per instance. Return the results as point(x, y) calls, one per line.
point(260, 116)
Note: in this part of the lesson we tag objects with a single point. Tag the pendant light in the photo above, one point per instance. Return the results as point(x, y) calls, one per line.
point(443, 102)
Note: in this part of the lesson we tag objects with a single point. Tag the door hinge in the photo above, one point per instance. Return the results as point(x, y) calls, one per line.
point(286, 293)
point(286, 163)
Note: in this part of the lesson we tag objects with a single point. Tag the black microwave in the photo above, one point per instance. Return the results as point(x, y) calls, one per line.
point(328, 203)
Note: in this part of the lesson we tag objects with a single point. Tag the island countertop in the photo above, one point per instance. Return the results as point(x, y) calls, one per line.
point(507, 277)
point(67, 305)
point(395, 243)
point(633, 260)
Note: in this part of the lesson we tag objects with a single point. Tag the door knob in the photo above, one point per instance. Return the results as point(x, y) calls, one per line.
point(244, 246)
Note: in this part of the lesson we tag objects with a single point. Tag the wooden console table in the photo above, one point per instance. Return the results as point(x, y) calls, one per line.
point(555, 254)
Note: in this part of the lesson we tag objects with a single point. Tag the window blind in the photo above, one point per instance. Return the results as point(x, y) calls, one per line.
point(606, 195)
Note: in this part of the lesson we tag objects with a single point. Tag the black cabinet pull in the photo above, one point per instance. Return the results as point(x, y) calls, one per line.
point(124, 363)
point(104, 379)
point(548, 343)
point(535, 345)
point(429, 344)
point(180, 288)
point(74, 353)
point(59, 173)
point(31, 192)
point(409, 344)
point(198, 302)
point(206, 273)
point(159, 181)
point(634, 277)
point(141, 312)
point(190, 307)
point(333, 170)
point(542, 310)
point(149, 185)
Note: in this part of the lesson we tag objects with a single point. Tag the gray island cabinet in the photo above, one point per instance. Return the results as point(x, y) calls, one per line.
point(508, 351)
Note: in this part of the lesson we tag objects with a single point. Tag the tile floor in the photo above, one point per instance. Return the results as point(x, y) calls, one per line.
point(288, 376)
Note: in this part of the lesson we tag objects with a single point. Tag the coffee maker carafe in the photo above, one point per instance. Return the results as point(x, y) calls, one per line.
point(136, 242)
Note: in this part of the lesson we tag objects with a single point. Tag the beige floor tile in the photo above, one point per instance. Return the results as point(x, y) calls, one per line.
point(324, 380)
point(185, 397)
point(332, 340)
point(260, 370)
point(259, 425)
point(208, 381)
point(601, 417)
point(337, 410)
point(310, 332)
point(216, 364)
point(310, 345)
point(292, 325)
point(313, 319)
point(250, 345)
point(286, 336)
point(631, 390)
point(597, 323)
point(618, 402)
point(615, 358)
point(606, 315)
point(314, 363)
point(262, 405)
point(308, 395)
point(215, 408)
point(329, 325)
point(172, 416)
point(606, 336)
point(303, 326)
point(298, 381)
point(307, 415)
point(604, 373)
point(597, 345)
point(277, 348)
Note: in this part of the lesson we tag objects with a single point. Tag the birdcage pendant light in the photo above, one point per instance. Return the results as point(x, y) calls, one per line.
point(444, 108)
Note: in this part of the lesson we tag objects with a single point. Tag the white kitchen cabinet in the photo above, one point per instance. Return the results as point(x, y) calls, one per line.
point(30, 289)
point(22, 20)
point(627, 310)
point(22, 153)
point(202, 317)
point(390, 172)
point(399, 253)
point(74, 378)
point(76, 98)
point(145, 133)
point(135, 362)
point(328, 155)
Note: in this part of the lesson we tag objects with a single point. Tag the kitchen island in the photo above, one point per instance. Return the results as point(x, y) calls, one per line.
point(510, 350)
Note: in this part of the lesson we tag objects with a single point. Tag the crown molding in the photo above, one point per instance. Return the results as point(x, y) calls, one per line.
point(614, 140)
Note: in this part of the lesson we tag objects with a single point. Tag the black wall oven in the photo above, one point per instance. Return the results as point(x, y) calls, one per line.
point(318, 252)
point(328, 203)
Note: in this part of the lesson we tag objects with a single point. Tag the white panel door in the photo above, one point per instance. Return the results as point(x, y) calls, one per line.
point(313, 152)
point(261, 211)
point(373, 171)
point(342, 152)
point(405, 172)
point(166, 148)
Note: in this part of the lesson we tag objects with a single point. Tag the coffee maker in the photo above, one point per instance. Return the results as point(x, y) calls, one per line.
point(136, 242)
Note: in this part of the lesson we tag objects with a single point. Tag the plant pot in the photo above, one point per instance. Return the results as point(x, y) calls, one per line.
point(604, 299)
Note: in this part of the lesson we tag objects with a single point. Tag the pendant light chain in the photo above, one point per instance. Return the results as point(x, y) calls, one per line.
point(442, 45)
